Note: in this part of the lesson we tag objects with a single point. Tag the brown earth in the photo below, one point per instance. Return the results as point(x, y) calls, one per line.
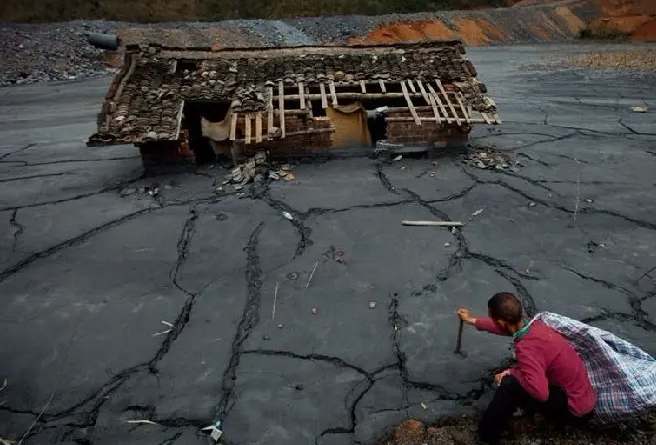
point(521, 431)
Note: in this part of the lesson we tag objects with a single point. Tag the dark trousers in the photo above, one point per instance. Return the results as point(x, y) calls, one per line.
point(509, 396)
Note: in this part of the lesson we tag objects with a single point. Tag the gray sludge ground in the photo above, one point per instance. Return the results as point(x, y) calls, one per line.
point(91, 267)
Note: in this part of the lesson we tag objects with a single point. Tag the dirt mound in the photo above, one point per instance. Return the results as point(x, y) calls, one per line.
point(645, 32)
point(522, 431)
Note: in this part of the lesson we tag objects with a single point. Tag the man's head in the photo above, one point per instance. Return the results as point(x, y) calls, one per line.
point(506, 311)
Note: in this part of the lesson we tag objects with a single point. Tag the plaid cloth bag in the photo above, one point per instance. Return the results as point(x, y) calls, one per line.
point(623, 375)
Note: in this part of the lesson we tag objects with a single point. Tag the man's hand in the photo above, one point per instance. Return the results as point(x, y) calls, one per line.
point(465, 315)
point(498, 377)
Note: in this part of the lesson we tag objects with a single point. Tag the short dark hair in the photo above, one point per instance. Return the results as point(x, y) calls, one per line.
point(505, 306)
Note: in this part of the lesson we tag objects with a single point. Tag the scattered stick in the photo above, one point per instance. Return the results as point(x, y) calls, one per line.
point(433, 223)
point(36, 420)
point(275, 297)
point(459, 341)
point(312, 274)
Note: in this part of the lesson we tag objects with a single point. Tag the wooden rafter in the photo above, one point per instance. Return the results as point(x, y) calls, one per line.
point(258, 127)
point(448, 101)
point(410, 104)
point(436, 98)
point(281, 106)
point(233, 126)
point(301, 94)
point(324, 99)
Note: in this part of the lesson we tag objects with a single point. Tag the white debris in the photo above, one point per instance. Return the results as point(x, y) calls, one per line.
point(215, 431)
point(398, 158)
point(531, 204)
point(639, 109)
point(478, 212)
point(288, 216)
point(142, 422)
point(372, 305)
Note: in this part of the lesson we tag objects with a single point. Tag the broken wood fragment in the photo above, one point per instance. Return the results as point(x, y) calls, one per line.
point(433, 223)
point(363, 87)
point(382, 86)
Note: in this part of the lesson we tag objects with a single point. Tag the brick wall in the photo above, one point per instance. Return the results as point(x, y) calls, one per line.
point(429, 132)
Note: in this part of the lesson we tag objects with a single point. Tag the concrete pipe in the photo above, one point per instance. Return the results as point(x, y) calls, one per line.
point(103, 41)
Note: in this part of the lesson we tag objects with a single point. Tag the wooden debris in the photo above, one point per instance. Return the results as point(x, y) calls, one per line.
point(411, 85)
point(462, 107)
point(433, 223)
point(382, 86)
point(363, 87)
point(422, 90)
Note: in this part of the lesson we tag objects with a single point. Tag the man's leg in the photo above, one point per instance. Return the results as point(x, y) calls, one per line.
point(508, 396)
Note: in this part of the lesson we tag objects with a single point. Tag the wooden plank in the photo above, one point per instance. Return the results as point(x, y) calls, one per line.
point(233, 126)
point(448, 101)
point(247, 128)
point(425, 119)
point(436, 98)
point(411, 85)
point(486, 118)
point(270, 111)
point(331, 86)
point(258, 127)
point(363, 87)
point(324, 100)
point(281, 106)
point(433, 223)
point(301, 94)
point(462, 107)
point(381, 82)
point(410, 105)
point(422, 90)
point(435, 112)
point(308, 102)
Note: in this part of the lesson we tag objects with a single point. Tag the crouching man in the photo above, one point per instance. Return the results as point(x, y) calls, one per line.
point(549, 376)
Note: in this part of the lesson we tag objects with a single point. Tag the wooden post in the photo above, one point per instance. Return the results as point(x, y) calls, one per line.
point(324, 99)
point(410, 105)
point(331, 86)
point(301, 95)
point(258, 127)
point(281, 106)
point(270, 111)
point(233, 126)
point(247, 128)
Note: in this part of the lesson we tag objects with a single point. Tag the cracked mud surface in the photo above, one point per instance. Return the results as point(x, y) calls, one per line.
point(90, 267)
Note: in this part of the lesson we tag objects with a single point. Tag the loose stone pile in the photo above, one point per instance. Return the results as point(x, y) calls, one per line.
point(256, 169)
point(488, 158)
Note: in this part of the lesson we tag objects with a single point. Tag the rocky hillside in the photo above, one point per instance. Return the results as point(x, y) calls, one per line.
point(182, 10)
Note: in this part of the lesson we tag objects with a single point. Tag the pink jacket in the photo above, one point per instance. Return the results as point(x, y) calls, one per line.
point(545, 358)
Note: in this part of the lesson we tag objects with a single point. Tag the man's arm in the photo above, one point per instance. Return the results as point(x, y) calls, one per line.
point(480, 323)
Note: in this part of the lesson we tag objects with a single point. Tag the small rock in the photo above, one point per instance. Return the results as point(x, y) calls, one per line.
point(266, 338)
point(589, 201)
point(314, 311)
point(293, 276)
point(531, 204)
point(372, 305)
point(447, 244)
point(288, 216)
point(639, 109)
point(280, 325)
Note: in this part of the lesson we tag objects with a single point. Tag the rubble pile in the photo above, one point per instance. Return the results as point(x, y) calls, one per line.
point(488, 158)
point(257, 169)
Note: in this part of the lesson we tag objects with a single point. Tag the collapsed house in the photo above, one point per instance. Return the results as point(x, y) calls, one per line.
point(196, 103)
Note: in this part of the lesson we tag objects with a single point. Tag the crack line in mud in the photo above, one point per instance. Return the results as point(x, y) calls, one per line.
point(249, 320)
